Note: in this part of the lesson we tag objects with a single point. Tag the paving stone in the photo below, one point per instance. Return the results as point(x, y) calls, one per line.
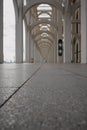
point(55, 98)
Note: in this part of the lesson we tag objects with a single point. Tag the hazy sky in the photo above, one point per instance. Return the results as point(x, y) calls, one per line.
point(9, 31)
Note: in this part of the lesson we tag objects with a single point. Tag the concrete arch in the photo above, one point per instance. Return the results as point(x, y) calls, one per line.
point(73, 48)
point(45, 39)
point(43, 22)
point(39, 36)
point(41, 44)
point(76, 50)
point(73, 40)
point(16, 8)
point(40, 32)
point(37, 2)
point(50, 44)
point(79, 50)
point(75, 7)
point(44, 12)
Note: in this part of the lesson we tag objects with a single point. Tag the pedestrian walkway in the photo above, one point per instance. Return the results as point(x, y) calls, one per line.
point(43, 97)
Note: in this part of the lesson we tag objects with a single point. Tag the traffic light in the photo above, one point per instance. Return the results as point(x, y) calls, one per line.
point(60, 47)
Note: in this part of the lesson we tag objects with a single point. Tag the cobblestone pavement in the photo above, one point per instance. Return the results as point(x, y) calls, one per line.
point(53, 97)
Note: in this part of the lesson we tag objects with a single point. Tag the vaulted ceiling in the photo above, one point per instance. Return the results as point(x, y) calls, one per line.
point(44, 19)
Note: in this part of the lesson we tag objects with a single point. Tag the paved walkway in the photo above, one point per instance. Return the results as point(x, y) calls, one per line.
point(43, 97)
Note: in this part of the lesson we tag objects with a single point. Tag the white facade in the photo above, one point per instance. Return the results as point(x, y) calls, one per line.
point(47, 21)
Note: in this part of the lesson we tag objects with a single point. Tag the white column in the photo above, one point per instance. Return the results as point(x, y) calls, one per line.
point(52, 55)
point(54, 52)
point(19, 35)
point(83, 31)
point(27, 46)
point(31, 48)
point(35, 53)
point(67, 37)
point(55, 44)
point(1, 31)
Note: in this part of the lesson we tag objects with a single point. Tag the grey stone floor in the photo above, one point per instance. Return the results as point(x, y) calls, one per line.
point(43, 97)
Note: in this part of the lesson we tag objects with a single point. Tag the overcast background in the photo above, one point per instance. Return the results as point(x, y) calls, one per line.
point(9, 31)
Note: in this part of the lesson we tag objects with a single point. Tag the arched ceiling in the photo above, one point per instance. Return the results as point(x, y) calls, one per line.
point(44, 27)
point(47, 32)
point(31, 3)
point(41, 19)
